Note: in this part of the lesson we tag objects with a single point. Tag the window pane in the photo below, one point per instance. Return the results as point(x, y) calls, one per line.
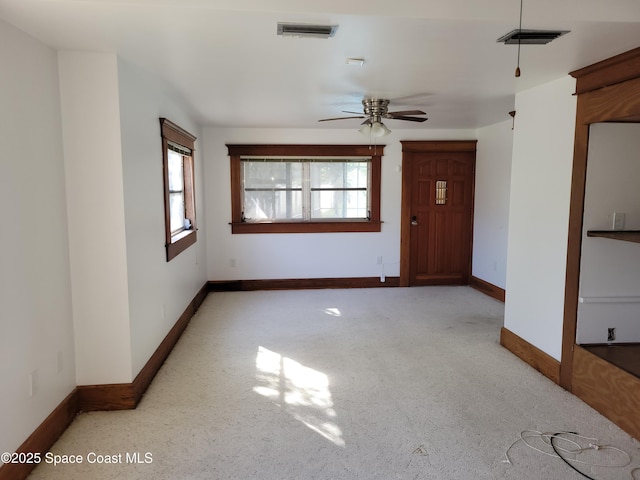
point(272, 190)
point(300, 190)
point(176, 203)
point(274, 204)
point(339, 175)
point(339, 204)
point(271, 175)
point(329, 197)
point(176, 173)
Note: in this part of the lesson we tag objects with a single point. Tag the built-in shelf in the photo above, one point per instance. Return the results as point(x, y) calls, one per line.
point(624, 235)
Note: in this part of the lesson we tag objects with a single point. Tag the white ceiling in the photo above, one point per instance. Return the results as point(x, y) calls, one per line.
point(438, 55)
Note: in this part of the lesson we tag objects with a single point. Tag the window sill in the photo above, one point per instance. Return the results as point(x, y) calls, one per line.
point(307, 227)
point(180, 242)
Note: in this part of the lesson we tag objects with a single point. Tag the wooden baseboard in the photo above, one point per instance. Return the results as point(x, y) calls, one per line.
point(487, 288)
point(125, 396)
point(301, 284)
point(84, 398)
point(541, 361)
point(41, 440)
point(607, 388)
point(151, 368)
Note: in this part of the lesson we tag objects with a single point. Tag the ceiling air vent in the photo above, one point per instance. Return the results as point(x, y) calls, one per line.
point(306, 30)
point(530, 37)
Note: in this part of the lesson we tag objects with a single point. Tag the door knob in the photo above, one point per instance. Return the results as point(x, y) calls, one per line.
point(414, 220)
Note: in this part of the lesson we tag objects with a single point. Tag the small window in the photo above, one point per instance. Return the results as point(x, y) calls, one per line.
point(179, 195)
point(305, 188)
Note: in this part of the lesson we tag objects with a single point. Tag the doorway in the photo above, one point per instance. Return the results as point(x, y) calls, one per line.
point(437, 212)
point(606, 92)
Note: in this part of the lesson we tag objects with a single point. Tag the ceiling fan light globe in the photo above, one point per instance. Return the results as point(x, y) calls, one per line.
point(366, 130)
point(378, 129)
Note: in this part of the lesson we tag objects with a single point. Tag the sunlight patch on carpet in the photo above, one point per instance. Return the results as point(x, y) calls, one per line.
point(302, 391)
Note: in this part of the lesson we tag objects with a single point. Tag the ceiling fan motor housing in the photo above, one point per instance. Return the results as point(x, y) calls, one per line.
point(375, 108)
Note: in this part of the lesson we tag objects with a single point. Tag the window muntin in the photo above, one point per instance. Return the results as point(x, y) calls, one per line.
point(334, 198)
point(179, 194)
point(291, 189)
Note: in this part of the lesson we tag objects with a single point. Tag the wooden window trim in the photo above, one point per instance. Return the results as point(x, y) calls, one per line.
point(236, 152)
point(178, 243)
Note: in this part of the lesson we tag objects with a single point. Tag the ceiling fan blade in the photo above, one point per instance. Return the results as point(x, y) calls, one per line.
point(409, 119)
point(406, 112)
point(355, 113)
point(339, 118)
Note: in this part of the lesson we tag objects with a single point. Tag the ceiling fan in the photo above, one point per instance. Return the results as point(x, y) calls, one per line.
point(375, 109)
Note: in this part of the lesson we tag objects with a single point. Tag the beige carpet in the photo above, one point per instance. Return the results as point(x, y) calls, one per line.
point(397, 383)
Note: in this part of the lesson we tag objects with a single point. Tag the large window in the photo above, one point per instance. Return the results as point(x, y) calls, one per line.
point(179, 195)
point(305, 188)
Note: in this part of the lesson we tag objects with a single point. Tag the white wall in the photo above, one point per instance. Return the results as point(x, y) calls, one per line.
point(159, 291)
point(610, 270)
point(539, 213)
point(35, 285)
point(326, 255)
point(85, 291)
point(491, 203)
point(126, 296)
point(93, 167)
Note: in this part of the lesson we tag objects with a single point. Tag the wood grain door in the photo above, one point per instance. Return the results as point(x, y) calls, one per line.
point(438, 212)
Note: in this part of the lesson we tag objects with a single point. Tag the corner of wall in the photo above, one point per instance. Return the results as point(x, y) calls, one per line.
point(539, 213)
point(95, 206)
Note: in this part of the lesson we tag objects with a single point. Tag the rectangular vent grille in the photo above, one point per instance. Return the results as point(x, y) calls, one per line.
point(306, 30)
point(530, 37)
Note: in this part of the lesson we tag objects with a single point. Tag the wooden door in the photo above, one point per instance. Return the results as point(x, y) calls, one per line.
point(438, 183)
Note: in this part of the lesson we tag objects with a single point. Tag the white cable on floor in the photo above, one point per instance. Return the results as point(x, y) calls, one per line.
point(593, 445)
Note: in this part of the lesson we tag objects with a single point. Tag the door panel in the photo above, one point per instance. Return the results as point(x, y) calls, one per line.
point(441, 233)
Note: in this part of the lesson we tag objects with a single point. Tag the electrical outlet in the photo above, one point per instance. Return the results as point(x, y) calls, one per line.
point(611, 334)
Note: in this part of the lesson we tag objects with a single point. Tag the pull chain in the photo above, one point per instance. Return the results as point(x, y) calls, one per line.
point(519, 41)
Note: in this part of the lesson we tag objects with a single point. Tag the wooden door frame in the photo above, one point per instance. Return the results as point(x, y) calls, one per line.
point(606, 91)
point(423, 146)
